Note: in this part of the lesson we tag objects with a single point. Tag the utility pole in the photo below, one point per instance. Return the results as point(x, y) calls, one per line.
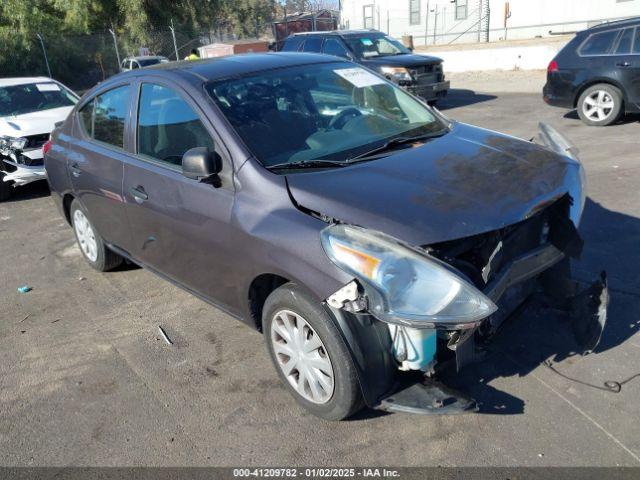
point(112, 31)
point(175, 45)
point(44, 51)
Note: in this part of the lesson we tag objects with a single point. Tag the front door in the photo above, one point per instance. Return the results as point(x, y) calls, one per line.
point(96, 160)
point(628, 63)
point(180, 226)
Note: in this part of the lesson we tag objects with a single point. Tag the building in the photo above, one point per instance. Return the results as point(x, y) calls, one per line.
point(463, 21)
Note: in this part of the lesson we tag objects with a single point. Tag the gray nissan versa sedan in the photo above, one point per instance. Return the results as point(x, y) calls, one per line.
point(362, 232)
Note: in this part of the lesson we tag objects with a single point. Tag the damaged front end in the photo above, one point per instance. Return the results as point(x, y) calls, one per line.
point(442, 302)
point(21, 160)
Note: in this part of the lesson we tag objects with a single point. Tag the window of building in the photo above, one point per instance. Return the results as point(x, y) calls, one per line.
point(368, 16)
point(167, 126)
point(599, 43)
point(461, 10)
point(414, 12)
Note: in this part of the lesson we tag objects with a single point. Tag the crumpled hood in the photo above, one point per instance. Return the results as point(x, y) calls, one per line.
point(468, 182)
point(34, 123)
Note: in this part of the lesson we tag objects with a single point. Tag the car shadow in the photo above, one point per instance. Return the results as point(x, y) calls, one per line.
point(538, 332)
point(625, 119)
point(29, 191)
point(460, 98)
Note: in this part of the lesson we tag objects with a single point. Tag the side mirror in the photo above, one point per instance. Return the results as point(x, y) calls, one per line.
point(200, 164)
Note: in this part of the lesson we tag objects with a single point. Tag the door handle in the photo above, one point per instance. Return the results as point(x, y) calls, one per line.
point(75, 170)
point(139, 194)
point(623, 64)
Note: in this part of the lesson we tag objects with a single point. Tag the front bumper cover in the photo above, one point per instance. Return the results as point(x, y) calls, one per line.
point(430, 91)
point(14, 165)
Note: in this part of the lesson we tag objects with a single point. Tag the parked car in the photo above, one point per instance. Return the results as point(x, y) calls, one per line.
point(421, 75)
point(362, 232)
point(29, 110)
point(132, 63)
point(598, 73)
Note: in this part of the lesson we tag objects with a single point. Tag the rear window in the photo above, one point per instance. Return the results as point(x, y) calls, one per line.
point(624, 44)
point(599, 43)
point(292, 44)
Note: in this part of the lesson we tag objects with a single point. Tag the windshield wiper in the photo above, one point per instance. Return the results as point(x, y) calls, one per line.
point(306, 164)
point(396, 142)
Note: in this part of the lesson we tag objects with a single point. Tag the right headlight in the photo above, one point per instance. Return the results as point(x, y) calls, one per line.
point(405, 286)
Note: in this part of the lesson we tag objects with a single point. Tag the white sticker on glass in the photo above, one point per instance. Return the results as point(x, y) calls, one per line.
point(359, 77)
point(47, 87)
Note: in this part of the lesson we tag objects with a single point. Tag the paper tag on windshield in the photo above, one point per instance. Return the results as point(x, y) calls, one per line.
point(366, 41)
point(359, 77)
point(47, 87)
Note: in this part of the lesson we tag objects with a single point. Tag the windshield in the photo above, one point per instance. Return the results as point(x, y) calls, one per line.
point(34, 97)
point(375, 46)
point(330, 111)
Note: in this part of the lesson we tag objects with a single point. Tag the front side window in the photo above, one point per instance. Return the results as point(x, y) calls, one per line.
point(414, 12)
point(333, 111)
point(368, 16)
point(103, 118)
point(34, 97)
point(167, 125)
point(461, 9)
point(599, 43)
point(375, 46)
point(333, 46)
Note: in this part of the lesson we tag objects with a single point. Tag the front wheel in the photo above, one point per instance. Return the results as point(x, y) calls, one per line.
point(600, 105)
point(310, 355)
point(95, 252)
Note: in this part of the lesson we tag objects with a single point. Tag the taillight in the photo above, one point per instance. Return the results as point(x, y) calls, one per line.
point(46, 147)
point(553, 67)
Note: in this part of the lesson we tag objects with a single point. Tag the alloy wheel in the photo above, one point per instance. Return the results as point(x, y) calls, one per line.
point(302, 357)
point(86, 235)
point(598, 106)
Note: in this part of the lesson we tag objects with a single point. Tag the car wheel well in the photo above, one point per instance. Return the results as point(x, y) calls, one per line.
point(66, 205)
point(591, 84)
point(261, 287)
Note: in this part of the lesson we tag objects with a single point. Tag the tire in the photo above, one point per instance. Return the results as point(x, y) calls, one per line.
point(600, 105)
point(344, 397)
point(6, 189)
point(93, 249)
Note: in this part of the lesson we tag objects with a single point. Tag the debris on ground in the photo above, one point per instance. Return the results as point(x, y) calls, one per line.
point(24, 289)
point(26, 316)
point(165, 336)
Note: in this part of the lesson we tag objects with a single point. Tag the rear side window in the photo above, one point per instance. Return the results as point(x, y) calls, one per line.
point(313, 45)
point(292, 44)
point(167, 126)
point(103, 118)
point(333, 46)
point(636, 43)
point(624, 44)
point(599, 43)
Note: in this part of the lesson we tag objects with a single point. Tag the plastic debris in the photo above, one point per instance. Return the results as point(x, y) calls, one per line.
point(164, 335)
point(24, 289)
point(27, 316)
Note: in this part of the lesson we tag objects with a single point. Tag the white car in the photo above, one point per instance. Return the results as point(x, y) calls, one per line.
point(29, 111)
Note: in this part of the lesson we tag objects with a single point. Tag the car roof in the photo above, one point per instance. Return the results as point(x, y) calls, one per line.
point(10, 82)
point(236, 65)
point(340, 33)
point(627, 22)
point(146, 57)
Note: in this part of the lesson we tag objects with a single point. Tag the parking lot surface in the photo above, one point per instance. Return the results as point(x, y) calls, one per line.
point(87, 379)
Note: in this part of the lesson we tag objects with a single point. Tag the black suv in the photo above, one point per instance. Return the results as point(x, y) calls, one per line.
point(420, 74)
point(598, 73)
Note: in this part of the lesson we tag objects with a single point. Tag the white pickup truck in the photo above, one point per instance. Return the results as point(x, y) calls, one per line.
point(29, 111)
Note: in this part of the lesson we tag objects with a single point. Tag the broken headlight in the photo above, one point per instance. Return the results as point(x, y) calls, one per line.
point(13, 143)
point(403, 285)
point(397, 74)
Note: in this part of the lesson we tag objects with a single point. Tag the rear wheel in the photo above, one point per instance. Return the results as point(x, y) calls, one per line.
point(95, 252)
point(600, 105)
point(310, 355)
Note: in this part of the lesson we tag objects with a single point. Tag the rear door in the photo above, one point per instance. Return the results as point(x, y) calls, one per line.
point(180, 227)
point(96, 159)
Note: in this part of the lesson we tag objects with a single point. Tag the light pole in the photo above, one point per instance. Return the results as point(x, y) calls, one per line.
point(115, 44)
point(44, 51)
point(175, 45)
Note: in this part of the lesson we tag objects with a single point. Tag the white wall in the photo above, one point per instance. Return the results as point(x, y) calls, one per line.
point(529, 18)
